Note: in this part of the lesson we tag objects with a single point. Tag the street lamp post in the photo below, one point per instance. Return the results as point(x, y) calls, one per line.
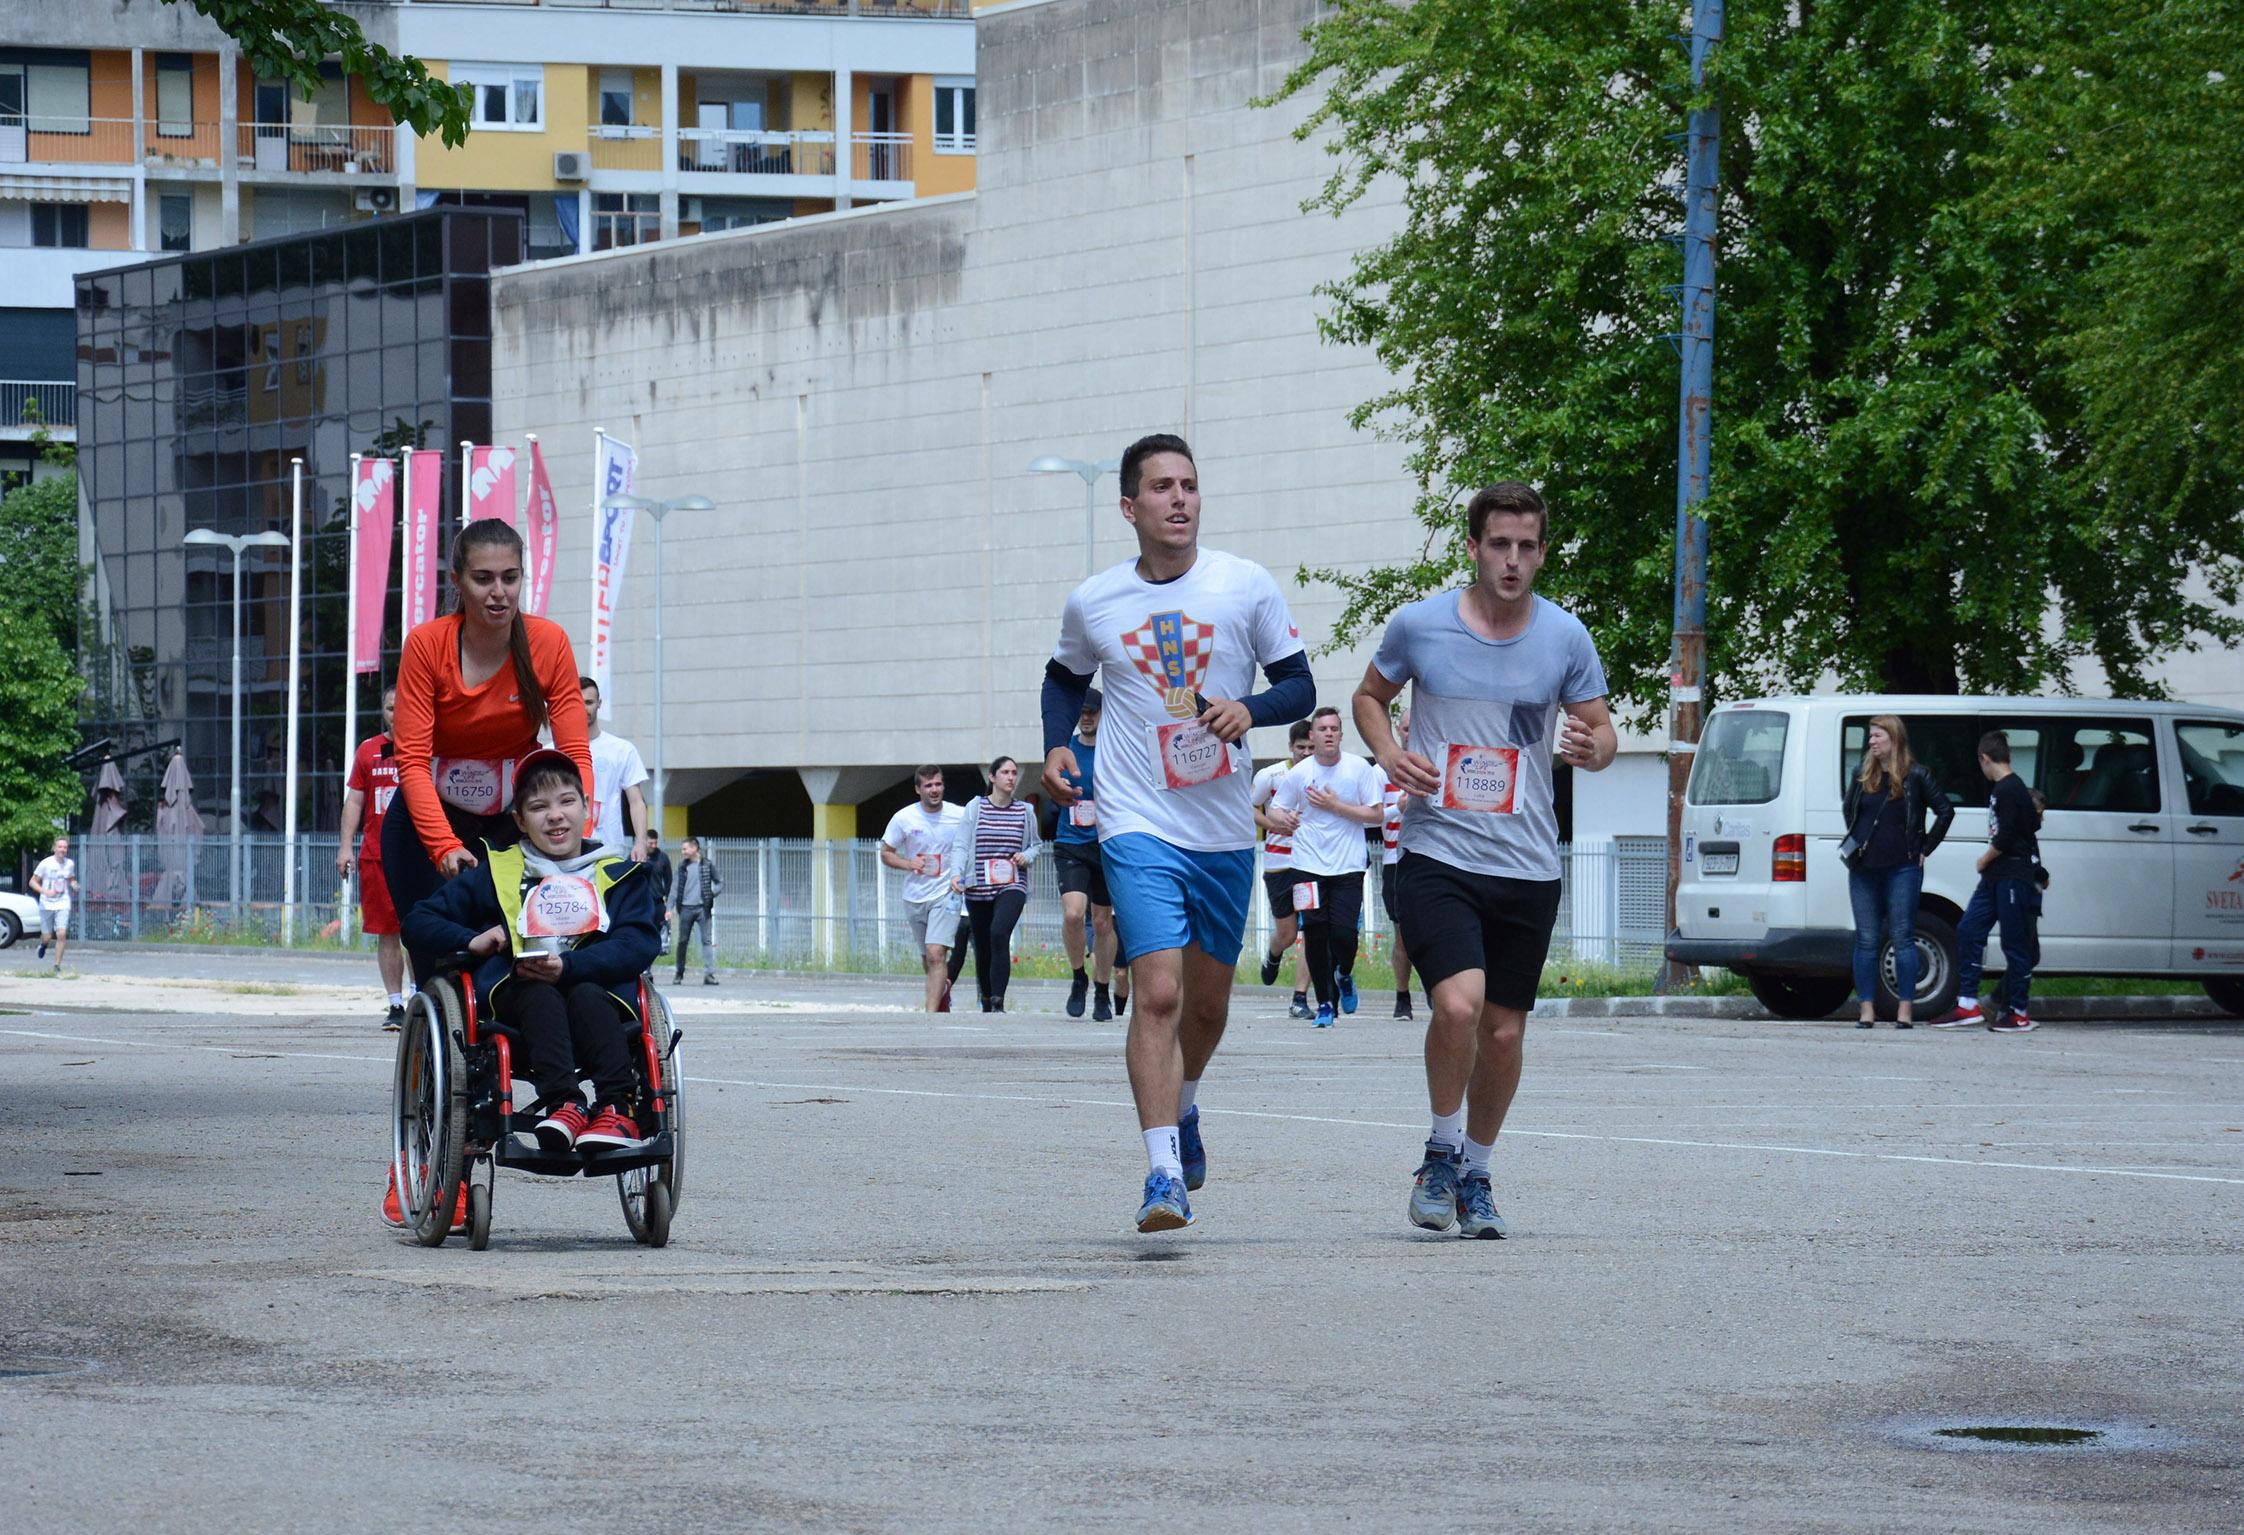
point(1052, 463)
point(235, 543)
point(658, 510)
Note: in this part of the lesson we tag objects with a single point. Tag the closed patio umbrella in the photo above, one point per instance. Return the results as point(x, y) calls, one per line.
point(179, 827)
point(107, 870)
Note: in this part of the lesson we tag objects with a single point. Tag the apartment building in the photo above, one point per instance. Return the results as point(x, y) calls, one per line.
point(130, 129)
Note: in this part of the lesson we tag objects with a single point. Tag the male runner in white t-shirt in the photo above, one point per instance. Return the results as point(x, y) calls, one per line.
point(1176, 635)
point(1477, 889)
point(1277, 869)
point(1329, 799)
point(617, 772)
point(1390, 836)
point(55, 879)
point(917, 840)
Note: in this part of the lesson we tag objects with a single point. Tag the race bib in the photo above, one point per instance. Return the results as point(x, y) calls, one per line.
point(930, 865)
point(474, 784)
point(1481, 778)
point(382, 798)
point(1305, 895)
point(563, 906)
point(1186, 755)
point(1083, 812)
point(998, 871)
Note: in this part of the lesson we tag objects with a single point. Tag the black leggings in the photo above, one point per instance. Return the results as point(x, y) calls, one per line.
point(566, 1035)
point(1328, 934)
point(993, 941)
point(413, 876)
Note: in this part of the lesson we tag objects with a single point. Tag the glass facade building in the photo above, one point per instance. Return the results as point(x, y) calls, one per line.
point(200, 377)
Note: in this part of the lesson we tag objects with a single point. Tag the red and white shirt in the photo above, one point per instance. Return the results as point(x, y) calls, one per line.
point(1277, 847)
point(1390, 830)
point(373, 774)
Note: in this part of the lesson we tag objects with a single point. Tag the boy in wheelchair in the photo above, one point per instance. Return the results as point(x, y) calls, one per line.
point(563, 930)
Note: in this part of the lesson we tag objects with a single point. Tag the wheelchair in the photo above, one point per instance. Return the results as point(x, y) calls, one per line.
point(453, 1118)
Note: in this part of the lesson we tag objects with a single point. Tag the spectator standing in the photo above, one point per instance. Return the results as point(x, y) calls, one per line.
point(2008, 894)
point(367, 793)
point(619, 809)
point(658, 865)
point(918, 842)
point(1885, 851)
point(695, 895)
point(56, 879)
point(990, 853)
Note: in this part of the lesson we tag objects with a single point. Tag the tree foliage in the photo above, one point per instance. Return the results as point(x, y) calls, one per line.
point(39, 558)
point(39, 682)
point(1902, 473)
point(287, 40)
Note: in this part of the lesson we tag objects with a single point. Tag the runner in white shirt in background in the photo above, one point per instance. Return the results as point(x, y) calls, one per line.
point(1329, 798)
point(617, 772)
point(55, 879)
point(1277, 870)
point(918, 837)
point(1392, 796)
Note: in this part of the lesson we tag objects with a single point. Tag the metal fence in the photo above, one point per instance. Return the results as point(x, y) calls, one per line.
point(787, 902)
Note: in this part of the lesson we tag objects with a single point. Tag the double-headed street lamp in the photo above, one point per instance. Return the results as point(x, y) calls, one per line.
point(1052, 463)
point(236, 543)
point(658, 510)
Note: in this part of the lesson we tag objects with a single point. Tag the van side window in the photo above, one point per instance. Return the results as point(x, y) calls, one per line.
point(1740, 758)
point(1947, 745)
point(2100, 764)
point(2212, 767)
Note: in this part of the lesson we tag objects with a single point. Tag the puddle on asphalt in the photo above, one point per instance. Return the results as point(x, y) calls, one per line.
point(2023, 1433)
point(2028, 1436)
point(14, 1366)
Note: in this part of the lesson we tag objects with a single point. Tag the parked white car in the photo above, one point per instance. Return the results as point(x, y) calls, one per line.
point(2143, 840)
point(19, 914)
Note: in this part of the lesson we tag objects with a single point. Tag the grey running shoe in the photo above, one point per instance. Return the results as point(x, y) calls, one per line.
point(1433, 1198)
point(1476, 1207)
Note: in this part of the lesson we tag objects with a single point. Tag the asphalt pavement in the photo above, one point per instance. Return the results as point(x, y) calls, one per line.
point(1755, 1268)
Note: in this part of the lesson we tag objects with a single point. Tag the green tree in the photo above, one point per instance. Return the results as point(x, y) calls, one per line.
point(39, 577)
point(38, 727)
point(287, 40)
point(1900, 476)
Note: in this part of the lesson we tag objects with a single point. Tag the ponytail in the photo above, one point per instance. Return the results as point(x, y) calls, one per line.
point(479, 534)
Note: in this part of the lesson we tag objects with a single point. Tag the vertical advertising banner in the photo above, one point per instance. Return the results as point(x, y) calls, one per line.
point(374, 516)
point(541, 533)
point(614, 467)
point(490, 488)
point(424, 488)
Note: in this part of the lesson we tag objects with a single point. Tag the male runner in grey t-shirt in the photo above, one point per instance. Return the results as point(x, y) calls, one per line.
point(1477, 888)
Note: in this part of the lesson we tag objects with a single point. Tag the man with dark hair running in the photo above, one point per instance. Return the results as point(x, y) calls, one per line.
point(1177, 633)
point(1331, 797)
point(1477, 887)
point(1277, 867)
point(916, 843)
point(1084, 902)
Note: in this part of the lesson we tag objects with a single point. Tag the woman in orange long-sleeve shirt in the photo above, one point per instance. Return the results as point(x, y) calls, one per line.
point(473, 690)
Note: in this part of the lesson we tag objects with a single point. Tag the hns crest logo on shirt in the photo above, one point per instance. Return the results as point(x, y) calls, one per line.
point(1173, 650)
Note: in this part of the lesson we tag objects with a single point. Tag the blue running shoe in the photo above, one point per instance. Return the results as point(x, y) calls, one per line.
point(1195, 1154)
point(1433, 1198)
point(1324, 1016)
point(1347, 993)
point(1165, 1207)
point(1476, 1208)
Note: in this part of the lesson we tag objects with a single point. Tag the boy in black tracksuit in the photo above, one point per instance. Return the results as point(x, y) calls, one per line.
point(2008, 895)
point(562, 948)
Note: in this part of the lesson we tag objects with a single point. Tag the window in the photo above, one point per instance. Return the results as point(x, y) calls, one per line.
point(175, 221)
point(625, 218)
point(954, 117)
point(62, 225)
point(2212, 767)
point(2108, 765)
point(175, 100)
point(1741, 758)
point(1944, 745)
point(615, 98)
point(58, 95)
point(503, 95)
point(325, 117)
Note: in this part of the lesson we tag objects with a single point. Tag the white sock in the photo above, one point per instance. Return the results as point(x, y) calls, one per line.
point(1449, 1129)
point(1186, 1098)
point(1966, 1004)
point(1162, 1154)
point(397, 999)
point(1476, 1156)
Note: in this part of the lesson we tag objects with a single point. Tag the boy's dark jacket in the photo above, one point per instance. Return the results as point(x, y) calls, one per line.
point(468, 904)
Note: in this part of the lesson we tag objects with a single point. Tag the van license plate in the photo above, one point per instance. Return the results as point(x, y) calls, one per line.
point(1719, 863)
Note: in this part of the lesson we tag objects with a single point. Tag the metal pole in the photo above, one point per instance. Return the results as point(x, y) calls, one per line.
point(1702, 190)
point(1090, 522)
point(343, 908)
point(661, 787)
point(295, 691)
point(234, 788)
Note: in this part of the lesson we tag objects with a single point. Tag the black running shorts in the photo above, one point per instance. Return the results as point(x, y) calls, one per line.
point(1387, 891)
point(1453, 920)
point(1278, 885)
point(1081, 871)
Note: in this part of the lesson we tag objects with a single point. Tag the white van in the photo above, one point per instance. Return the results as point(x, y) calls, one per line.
point(2143, 840)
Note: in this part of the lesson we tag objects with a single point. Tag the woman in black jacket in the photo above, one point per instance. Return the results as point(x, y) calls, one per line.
point(1885, 852)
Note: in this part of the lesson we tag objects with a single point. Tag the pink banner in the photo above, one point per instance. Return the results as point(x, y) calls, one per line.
point(424, 488)
point(374, 516)
point(541, 532)
point(491, 485)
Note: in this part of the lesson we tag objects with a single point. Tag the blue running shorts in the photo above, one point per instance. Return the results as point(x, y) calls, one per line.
point(1166, 897)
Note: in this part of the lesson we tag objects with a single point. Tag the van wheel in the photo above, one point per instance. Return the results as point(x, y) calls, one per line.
point(1936, 971)
point(2227, 995)
point(1800, 996)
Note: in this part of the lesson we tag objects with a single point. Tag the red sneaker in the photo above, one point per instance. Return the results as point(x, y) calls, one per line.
point(1966, 1016)
point(393, 1214)
point(562, 1128)
point(610, 1130)
point(2014, 1023)
point(460, 1210)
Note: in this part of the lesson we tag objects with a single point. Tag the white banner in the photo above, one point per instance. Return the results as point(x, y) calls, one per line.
point(614, 467)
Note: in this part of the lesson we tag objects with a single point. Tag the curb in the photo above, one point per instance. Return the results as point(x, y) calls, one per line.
point(1746, 1010)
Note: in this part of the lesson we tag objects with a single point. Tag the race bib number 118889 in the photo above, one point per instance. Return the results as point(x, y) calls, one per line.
point(1481, 778)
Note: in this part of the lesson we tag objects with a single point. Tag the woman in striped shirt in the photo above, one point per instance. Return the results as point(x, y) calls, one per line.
point(992, 851)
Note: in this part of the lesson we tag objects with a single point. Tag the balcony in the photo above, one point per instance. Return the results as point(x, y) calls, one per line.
point(64, 146)
point(882, 161)
point(881, 157)
point(878, 10)
point(28, 404)
point(340, 149)
point(749, 152)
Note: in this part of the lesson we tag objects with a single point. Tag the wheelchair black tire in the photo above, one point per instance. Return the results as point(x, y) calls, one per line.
point(658, 1185)
point(479, 1217)
point(433, 1023)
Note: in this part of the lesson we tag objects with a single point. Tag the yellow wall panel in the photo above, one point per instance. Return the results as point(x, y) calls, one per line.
point(513, 160)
